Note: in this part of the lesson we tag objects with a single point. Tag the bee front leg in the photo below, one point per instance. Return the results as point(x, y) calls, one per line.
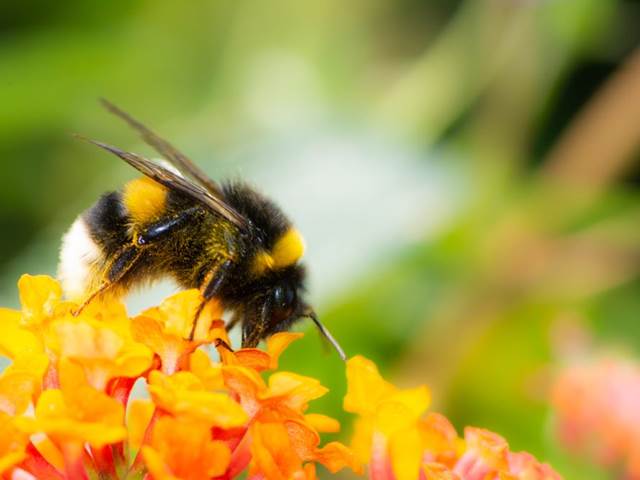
point(214, 281)
point(127, 258)
point(123, 263)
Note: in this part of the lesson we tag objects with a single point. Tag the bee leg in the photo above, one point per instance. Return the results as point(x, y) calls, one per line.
point(217, 277)
point(221, 343)
point(253, 331)
point(159, 230)
point(99, 291)
point(117, 270)
point(130, 254)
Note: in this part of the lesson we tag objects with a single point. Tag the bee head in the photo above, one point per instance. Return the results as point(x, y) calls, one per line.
point(276, 305)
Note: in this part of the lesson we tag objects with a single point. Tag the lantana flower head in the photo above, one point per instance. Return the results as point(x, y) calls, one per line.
point(65, 399)
point(66, 410)
point(399, 441)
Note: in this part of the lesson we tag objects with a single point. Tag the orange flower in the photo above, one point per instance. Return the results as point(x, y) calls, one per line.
point(182, 449)
point(254, 358)
point(165, 329)
point(76, 412)
point(280, 449)
point(204, 419)
point(72, 418)
point(104, 350)
point(283, 439)
point(183, 394)
point(207, 371)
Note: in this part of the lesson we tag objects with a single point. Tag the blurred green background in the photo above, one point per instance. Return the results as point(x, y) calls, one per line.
point(465, 172)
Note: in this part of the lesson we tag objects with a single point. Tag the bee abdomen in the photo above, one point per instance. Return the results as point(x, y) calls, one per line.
point(79, 257)
point(108, 223)
point(93, 238)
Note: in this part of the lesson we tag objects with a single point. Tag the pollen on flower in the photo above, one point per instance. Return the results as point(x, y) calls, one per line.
point(66, 409)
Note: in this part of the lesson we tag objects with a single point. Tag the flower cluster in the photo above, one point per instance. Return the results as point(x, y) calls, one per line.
point(596, 406)
point(66, 409)
point(399, 442)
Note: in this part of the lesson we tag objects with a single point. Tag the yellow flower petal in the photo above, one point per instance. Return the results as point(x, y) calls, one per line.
point(247, 357)
point(158, 469)
point(59, 421)
point(335, 456)
point(177, 312)
point(254, 358)
point(278, 343)
point(362, 439)
point(48, 450)
point(293, 390)
point(16, 391)
point(246, 384)
point(365, 387)
point(20, 345)
point(103, 352)
point(405, 450)
point(401, 409)
point(139, 413)
point(169, 347)
point(209, 373)
point(184, 394)
point(10, 460)
point(76, 412)
point(165, 329)
point(39, 295)
point(322, 423)
point(183, 450)
point(271, 452)
point(12, 443)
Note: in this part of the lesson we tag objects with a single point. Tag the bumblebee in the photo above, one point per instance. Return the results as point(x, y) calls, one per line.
point(229, 241)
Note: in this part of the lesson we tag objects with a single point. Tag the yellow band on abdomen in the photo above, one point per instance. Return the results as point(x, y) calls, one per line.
point(287, 250)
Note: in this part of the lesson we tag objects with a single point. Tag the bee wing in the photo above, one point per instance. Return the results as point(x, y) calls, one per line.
point(174, 181)
point(164, 148)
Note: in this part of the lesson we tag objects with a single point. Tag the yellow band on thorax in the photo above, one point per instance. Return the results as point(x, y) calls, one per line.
point(144, 199)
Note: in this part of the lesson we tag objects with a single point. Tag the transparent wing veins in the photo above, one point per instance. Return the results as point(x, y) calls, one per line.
point(174, 181)
point(166, 149)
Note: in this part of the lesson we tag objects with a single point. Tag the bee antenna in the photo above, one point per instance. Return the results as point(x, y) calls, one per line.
point(326, 334)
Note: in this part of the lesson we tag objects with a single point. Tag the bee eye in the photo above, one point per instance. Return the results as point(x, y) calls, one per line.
point(284, 299)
